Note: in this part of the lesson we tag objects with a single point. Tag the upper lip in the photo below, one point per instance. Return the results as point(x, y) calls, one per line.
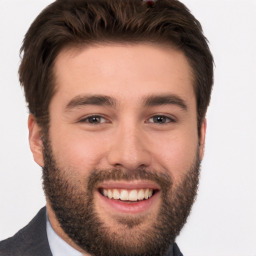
point(129, 185)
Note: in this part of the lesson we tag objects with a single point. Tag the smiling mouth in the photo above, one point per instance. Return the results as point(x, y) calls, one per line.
point(128, 195)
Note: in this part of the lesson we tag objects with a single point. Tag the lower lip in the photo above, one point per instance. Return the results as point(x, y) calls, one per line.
point(129, 207)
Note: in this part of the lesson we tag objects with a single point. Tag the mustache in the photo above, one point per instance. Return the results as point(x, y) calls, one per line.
point(163, 179)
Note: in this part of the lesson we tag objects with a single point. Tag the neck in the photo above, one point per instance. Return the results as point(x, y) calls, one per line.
point(60, 232)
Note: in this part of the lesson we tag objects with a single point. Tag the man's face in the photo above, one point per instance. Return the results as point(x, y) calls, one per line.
point(121, 156)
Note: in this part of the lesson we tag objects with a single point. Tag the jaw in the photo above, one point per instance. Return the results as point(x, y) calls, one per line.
point(57, 228)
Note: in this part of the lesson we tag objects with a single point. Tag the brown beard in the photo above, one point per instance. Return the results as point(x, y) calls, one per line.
point(72, 200)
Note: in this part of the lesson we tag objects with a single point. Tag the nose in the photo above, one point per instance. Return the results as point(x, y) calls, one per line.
point(129, 149)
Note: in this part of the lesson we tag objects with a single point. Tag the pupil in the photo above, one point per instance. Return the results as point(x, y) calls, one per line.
point(160, 119)
point(94, 119)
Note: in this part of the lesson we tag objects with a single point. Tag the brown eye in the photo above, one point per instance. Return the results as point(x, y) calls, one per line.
point(93, 120)
point(160, 119)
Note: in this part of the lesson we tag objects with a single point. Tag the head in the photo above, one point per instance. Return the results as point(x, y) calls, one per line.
point(57, 27)
point(117, 93)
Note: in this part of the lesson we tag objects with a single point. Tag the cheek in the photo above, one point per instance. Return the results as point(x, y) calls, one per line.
point(177, 153)
point(77, 151)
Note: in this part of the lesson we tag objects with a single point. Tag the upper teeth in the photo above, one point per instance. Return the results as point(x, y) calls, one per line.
point(128, 195)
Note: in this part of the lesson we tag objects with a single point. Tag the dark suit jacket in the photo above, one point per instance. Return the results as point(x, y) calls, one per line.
point(29, 241)
point(32, 240)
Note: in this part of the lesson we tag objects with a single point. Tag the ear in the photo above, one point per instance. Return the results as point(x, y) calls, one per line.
point(35, 141)
point(202, 139)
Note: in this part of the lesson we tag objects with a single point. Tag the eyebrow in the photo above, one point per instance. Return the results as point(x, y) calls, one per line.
point(102, 100)
point(170, 99)
point(98, 100)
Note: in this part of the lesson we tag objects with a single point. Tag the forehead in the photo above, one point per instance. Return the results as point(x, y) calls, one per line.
point(124, 71)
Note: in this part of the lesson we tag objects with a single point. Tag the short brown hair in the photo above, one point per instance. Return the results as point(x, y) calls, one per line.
point(76, 22)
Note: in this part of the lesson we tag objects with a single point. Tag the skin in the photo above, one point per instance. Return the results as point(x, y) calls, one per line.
point(126, 135)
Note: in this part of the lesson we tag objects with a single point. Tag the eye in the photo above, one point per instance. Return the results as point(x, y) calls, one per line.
point(160, 119)
point(95, 119)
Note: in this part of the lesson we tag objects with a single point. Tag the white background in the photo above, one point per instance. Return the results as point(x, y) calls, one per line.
point(223, 221)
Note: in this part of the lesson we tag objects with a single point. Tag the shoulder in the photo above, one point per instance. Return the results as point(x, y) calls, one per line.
point(31, 240)
point(176, 250)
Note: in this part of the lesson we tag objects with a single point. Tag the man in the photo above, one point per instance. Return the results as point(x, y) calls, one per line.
point(117, 93)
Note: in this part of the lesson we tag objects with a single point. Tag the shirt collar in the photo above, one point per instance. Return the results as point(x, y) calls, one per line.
point(57, 245)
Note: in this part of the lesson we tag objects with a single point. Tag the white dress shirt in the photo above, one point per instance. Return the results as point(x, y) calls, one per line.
point(57, 245)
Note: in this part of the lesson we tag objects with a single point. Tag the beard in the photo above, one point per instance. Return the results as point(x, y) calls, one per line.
point(72, 200)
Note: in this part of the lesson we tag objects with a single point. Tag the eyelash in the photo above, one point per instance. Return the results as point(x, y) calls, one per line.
point(89, 119)
point(165, 119)
point(153, 119)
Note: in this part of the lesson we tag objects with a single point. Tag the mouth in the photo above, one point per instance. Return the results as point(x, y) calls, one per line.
point(132, 197)
point(127, 195)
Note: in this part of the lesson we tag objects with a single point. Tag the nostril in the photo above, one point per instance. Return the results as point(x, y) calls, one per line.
point(117, 165)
